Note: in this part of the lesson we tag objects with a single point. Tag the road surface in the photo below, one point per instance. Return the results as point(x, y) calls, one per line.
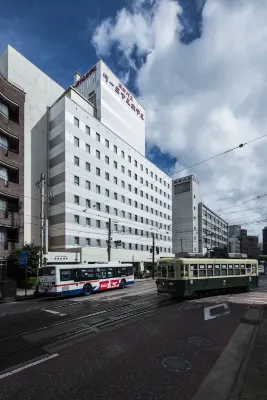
point(121, 344)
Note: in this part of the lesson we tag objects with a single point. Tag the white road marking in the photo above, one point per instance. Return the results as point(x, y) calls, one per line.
point(15, 371)
point(54, 312)
point(207, 310)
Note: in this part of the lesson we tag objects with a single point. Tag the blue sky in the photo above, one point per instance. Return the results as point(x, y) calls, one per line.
point(56, 36)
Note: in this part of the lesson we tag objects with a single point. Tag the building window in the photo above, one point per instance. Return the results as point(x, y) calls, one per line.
point(123, 214)
point(115, 196)
point(97, 206)
point(87, 130)
point(4, 110)
point(98, 189)
point(129, 188)
point(107, 209)
point(76, 141)
point(107, 143)
point(76, 161)
point(142, 247)
point(98, 242)
point(107, 159)
point(88, 185)
point(115, 164)
point(136, 218)
point(88, 203)
point(130, 201)
point(122, 184)
point(107, 192)
point(130, 246)
point(97, 137)
point(87, 166)
point(142, 206)
point(135, 190)
point(115, 211)
point(122, 154)
point(136, 246)
point(115, 148)
point(146, 171)
point(87, 148)
point(97, 171)
point(135, 163)
point(151, 186)
point(130, 216)
point(142, 193)
point(97, 154)
point(123, 199)
point(115, 180)
point(76, 219)
point(141, 180)
point(151, 174)
point(146, 195)
point(76, 122)
point(122, 169)
point(142, 220)
point(135, 177)
point(76, 200)
point(76, 240)
point(141, 167)
point(107, 176)
point(129, 159)
point(135, 204)
point(129, 173)
point(88, 242)
point(76, 180)
point(98, 223)
point(88, 221)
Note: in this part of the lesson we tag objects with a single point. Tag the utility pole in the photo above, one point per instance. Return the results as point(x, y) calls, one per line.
point(109, 239)
point(153, 255)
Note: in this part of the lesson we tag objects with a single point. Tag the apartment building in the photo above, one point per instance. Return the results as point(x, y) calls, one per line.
point(12, 100)
point(195, 227)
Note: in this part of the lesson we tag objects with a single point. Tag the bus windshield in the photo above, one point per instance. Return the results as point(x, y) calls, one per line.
point(47, 271)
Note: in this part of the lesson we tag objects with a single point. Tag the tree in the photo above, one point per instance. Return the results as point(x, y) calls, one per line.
point(14, 270)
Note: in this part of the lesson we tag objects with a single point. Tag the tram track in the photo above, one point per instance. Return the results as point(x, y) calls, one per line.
point(114, 317)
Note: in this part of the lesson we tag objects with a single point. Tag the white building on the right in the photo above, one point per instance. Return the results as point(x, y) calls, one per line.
point(195, 228)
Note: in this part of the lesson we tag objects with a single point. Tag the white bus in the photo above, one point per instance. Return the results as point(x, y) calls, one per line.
point(67, 280)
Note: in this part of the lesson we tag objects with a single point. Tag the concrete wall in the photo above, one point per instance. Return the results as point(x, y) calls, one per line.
point(41, 91)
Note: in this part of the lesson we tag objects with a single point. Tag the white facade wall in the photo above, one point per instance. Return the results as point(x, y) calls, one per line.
point(214, 232)
point(41, 91)
point(185, 198)
point(117, 108)
point(147, 199)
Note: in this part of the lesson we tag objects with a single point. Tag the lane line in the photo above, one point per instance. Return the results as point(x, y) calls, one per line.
point(54, 312)
point(15, 371)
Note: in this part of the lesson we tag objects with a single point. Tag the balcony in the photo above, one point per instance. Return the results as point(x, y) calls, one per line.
point(9, 178)
point(11, 151)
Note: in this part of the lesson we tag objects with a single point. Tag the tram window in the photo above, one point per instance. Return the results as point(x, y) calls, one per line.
point(243, 271)
point(171, 271)
point(217, 270)
point(201, 273)
point(164, 272)
point(224, 270)
point(237, 265)
point(237, 271)
point(159, 271)
point(186, 270)
point(209, 272)
point(193, 270)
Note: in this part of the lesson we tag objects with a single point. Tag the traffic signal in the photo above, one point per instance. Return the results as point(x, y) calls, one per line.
point(151, 249)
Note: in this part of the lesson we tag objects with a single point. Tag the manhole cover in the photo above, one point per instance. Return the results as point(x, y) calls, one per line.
point(199, 341)
point(176, 364)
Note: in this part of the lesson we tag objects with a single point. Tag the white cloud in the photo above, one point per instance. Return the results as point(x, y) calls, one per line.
point(203, 98)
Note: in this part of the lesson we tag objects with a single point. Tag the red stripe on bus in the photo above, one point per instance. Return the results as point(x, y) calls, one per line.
point(73, 283)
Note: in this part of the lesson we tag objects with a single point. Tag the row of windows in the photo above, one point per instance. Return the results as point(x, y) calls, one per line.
point(78, 275)
point(131, 246)
point(123, 229)
point(123, 214)
point(217, 221)
point(122, 153)
point(122, 198)
point(130, 187)
point(202, 270)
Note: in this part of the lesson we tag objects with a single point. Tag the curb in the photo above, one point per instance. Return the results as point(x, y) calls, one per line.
point(226, 377)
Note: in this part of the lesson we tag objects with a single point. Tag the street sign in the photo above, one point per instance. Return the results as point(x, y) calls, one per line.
point(23, 259)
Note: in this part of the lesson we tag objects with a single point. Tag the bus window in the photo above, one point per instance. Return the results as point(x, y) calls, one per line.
point(66, 275)
point(110, 272)
point(87, 274)
point(101, 273)
point(164, 272)
point(76, 275)
point(170, 271)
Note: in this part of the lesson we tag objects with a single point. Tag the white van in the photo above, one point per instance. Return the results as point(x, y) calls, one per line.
point(261, 270)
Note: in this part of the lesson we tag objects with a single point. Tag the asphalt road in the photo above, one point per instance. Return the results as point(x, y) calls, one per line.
point(116, 345)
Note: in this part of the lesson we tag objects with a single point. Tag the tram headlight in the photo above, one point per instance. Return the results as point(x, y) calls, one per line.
point(170, 283)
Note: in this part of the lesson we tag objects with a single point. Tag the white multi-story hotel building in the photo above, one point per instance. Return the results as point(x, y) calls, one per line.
point(195, 228)
point(96, 174)
point(89, 141)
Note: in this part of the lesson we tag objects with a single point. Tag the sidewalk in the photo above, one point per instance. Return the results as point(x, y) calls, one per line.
point(255, 377)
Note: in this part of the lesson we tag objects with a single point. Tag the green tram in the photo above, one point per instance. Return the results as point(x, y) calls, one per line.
point(198, 277)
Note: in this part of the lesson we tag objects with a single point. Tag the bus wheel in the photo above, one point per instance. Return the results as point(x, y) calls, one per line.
point(87, 290)
point(123, 284)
